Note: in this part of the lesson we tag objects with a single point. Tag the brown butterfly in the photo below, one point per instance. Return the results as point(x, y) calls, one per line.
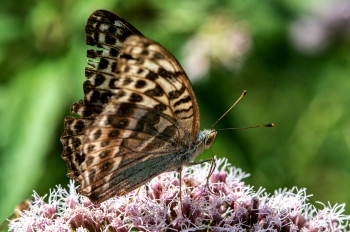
point(139, 116)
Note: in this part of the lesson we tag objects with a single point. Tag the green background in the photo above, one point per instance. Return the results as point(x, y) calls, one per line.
point(306, 94)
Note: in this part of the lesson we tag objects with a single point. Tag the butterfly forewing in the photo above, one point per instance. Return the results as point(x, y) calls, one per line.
point(154, 118)
point(139, 113)
point(161, 80)
point(108, 31)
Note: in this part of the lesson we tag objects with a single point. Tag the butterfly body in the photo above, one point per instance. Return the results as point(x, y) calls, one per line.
point(139, 115)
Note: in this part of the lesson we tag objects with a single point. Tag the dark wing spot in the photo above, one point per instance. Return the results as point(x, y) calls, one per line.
point(160, 107)
point(104, 143)
point(103, 64)
point(140, 84)
point(87, 86)
point(104, 154)
point(156, 92)
point(113, 134)
point(126, 56)
point(157, 56)
point(144, 52)
point(113, 52)
point(99, 79)
point(135, 97)
point(127, 81)
point(110, 40)
point(123, 123)
point(112, 29)
point(91, 53)
point(176, 93)
point(118, 123)
point(126, 69)
point(105, 97)
point(151, 76)
point(162, 72)
point(106, 167)
point(79, 126)
point(178, 74)
point(76, 142)
point(97, 134)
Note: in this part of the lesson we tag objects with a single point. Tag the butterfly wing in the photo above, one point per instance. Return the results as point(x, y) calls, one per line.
point(143, 129)
point(151, 116)
point(107, 31)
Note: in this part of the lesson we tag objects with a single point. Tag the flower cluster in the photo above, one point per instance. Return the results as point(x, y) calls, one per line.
point(219, 203)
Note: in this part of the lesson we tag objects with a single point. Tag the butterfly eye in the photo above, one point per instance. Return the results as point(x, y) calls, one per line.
point(210, 138)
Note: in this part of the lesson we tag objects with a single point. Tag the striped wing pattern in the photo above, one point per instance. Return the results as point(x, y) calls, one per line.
point(139, 115)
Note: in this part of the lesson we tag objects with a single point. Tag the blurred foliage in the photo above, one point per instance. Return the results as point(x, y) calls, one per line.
point(42, 60)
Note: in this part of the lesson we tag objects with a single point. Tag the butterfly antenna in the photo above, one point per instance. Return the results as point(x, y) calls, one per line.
point(242, 95)
point(249, 127)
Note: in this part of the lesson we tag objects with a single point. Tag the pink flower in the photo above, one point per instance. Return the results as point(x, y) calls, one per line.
point(229, 205)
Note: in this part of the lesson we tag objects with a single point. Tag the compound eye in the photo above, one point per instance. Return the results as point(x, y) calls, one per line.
point(209, 139)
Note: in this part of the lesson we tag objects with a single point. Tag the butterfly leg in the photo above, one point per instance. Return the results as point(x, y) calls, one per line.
point(180, 176)
point(211, 170)
point(135, 195)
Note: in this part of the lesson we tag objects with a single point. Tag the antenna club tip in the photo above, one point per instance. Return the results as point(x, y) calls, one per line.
point(270, 125)
point(244, 92)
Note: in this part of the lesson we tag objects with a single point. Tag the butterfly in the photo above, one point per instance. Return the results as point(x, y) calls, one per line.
point(139, 116)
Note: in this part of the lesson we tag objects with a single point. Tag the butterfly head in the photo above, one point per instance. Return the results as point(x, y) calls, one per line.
point(208, 137)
